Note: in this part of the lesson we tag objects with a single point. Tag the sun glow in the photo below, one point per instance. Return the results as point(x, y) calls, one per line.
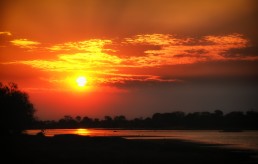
point(83, 132)
point(81, 81)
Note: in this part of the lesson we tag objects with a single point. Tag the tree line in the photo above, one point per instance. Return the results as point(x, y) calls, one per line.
point(236, 120)
point(17, 113)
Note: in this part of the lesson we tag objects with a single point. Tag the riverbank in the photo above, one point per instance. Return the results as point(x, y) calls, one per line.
point(80, 149)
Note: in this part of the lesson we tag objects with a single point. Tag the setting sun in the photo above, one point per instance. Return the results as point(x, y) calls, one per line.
point(81, 81)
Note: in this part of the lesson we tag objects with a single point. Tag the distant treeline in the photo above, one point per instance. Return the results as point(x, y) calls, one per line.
point(18, 114)
point(176, 120)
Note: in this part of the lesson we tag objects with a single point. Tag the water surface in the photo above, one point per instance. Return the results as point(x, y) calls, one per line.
point(245, 139)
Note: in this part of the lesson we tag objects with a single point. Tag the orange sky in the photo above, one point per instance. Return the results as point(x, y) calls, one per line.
point(139, 57)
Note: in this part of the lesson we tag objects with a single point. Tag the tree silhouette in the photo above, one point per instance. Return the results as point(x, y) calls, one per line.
point(68, 121)
point(216, 120)
point(17, 112)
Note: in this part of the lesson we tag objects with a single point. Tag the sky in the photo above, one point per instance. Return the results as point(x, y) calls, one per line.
point(138, 57)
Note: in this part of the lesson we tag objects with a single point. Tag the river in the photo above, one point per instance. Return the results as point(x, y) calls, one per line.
point(244, 139)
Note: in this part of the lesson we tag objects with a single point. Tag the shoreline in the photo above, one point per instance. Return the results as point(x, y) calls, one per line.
point(232, 139)
point(74, 149)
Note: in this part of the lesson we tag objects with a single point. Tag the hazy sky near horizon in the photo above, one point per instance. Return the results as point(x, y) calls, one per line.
point(139, 57)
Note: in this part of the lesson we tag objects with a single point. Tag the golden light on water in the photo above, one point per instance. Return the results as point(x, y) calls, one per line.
point(83, 132)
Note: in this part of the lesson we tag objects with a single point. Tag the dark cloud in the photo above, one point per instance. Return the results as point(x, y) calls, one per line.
point(124, 50)
point(196, 53)
point(195, 41)
point(241, 52)
point(144, 83)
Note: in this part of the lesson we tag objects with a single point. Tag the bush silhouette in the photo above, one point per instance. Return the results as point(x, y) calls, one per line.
point(17, 112)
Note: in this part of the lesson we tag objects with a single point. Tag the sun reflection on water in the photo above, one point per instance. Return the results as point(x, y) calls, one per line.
point(83, 132)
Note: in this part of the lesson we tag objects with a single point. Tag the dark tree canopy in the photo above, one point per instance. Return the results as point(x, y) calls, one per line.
point(17, 112)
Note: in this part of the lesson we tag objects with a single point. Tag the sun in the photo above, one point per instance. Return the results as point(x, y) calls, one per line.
point(81, 81)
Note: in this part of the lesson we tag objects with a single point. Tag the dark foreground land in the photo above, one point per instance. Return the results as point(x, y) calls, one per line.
point(77, 149)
